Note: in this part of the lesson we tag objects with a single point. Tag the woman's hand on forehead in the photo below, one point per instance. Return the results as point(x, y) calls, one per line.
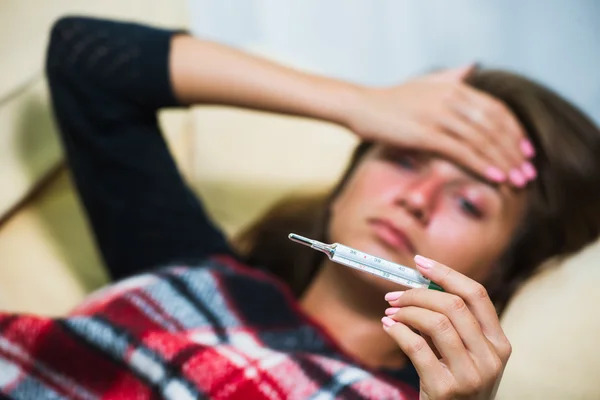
point(439, 113)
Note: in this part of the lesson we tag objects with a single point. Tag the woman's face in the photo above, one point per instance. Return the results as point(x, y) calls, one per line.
point(398, 204)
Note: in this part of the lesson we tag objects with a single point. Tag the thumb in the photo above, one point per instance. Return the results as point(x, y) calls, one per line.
point(456, 74)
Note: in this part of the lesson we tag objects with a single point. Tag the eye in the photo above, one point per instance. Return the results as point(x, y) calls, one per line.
point(405, 161)
point(469, 208)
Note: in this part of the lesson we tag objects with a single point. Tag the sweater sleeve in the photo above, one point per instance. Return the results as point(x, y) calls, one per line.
point(107, 81)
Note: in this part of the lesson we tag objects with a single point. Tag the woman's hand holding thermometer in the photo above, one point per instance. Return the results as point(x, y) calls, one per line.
point(460, 350)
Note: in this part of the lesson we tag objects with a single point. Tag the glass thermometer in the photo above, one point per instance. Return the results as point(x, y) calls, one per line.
point(352, 258)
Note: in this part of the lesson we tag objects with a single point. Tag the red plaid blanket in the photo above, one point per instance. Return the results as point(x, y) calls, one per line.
point(184, 333)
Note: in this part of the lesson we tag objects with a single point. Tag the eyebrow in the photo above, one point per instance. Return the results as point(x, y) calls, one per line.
point(473, 177)
point(486, 182)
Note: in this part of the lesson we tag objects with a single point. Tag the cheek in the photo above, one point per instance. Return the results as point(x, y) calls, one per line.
point(469, 246)
point(372, 185)
point(473, 247)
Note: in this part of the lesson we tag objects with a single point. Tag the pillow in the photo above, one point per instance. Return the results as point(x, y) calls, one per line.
point(553, 324)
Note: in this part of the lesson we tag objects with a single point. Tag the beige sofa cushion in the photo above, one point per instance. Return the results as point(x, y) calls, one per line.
point(28, 149)
point(244, 161)
point(47, 262)
point(47, 257)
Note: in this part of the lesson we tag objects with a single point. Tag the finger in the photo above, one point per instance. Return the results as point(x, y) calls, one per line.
point(430, 343)
point(454, 308)
point(494, 109)
point(441, 331)
point(429, 368)
point(462, 154)
point(476, 139)
point(487, 119)
point(514, 138)
point(473, 293)
point(454, 74)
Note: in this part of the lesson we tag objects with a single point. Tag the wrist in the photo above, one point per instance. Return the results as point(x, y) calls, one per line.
point(347, 102)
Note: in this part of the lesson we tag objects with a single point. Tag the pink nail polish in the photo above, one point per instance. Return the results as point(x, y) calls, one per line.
point(529, 171)
point(527, 148)
point(495, 174)
point(391, 310)
point(517, 178)
point(424, 262)
point(387, 321)
point(391, 296)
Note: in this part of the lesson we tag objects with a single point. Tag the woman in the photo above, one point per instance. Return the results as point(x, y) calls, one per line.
point(211, 326)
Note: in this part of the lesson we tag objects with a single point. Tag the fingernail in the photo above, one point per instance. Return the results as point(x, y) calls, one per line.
point(495, 174)
point(387, 321)
point(517, 178)
point(391, 296)
point(527, 148)
point(423, 262)
point(529, 170)
point(391, 310)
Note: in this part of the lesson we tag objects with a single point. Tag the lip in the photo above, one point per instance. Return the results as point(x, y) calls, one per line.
point(392, 235)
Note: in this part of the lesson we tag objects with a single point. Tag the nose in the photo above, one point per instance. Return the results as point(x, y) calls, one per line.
point(418, 197)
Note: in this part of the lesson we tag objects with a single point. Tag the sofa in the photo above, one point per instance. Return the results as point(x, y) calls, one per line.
point(48, 260)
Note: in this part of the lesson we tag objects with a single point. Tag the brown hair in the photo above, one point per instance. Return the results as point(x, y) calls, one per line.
point(564, 207)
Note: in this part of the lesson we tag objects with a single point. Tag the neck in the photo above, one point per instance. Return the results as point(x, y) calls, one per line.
point(350, 309)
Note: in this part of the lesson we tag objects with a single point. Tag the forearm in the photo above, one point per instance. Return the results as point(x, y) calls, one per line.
point(210, 73)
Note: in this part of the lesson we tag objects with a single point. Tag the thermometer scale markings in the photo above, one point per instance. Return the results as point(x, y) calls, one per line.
point(374, 271)
point(375, 262)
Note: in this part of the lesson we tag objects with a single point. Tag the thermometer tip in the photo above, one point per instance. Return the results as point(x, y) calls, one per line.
point(300, 239)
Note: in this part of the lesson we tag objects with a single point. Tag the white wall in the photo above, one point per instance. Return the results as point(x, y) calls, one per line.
point(385, 41)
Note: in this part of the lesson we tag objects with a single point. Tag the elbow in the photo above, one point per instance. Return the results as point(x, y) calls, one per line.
point(61, 43)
